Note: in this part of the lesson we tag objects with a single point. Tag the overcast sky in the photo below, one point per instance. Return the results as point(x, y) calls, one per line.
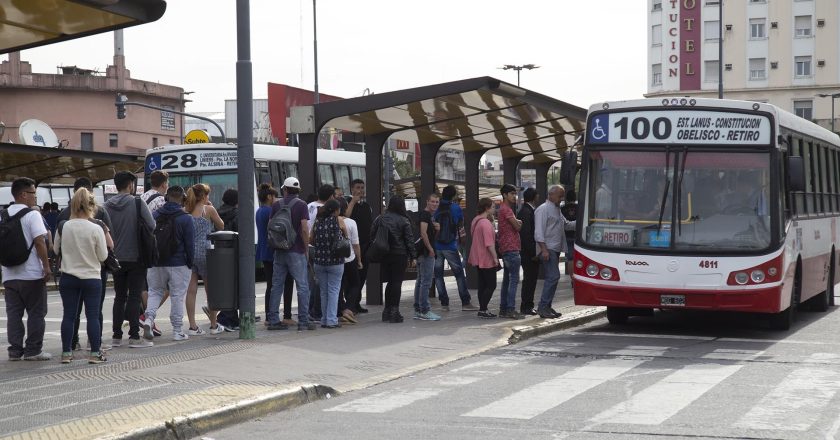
point(587, 50)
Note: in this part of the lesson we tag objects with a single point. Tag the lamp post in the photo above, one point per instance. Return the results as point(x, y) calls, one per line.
point(315, 46)
point(518, 69)
point(833, 96)
point(183, 109)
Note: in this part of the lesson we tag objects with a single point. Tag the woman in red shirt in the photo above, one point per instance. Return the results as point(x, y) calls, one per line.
point(483, 254)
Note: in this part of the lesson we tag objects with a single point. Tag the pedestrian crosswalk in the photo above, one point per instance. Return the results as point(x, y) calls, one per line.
point(636, 385)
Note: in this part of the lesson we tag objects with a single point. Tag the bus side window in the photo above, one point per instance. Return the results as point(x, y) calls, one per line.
point(276, 174)
point(342, 177)
point(357, 172)
point(263, 174)
point(325, 175)
point(290, 169)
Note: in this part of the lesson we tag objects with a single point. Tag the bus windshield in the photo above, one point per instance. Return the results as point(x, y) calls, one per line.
point(218, 183)
point(680, 199)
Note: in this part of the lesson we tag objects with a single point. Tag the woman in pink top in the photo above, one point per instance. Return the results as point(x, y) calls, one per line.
point(483, 254)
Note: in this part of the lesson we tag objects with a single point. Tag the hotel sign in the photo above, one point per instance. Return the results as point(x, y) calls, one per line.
point(683, 42)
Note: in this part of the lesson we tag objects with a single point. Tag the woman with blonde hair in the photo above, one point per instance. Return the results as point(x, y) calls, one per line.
point(83, 247)
point(205, 218)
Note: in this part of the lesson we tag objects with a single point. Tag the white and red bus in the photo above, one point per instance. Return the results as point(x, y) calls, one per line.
point(708, 205)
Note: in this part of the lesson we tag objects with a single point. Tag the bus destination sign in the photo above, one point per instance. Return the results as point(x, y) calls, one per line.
point(679, 127)
point(190, 160)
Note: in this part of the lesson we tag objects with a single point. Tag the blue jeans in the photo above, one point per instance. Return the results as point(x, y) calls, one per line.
point(329, 279)
point(510, 280)
point(73, 291)
point(457, 266)
point(425, 276)
point(552, 276)
point(294, 264)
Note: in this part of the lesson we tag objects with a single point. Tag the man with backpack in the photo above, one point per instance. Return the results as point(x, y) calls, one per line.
point(288, 234)
point(175, 236)
point(128, 215)
point(25, 270)
point(451, 220)
point(155, 199)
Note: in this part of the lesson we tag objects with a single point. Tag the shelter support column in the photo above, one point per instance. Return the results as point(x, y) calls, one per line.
point(510, 166)
point(428, 159)
point(373, 190)
point(471, 197)
point(308, 164)
point(542, 179)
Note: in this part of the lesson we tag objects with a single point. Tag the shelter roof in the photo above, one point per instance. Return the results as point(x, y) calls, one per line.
point(32, 23)
point(53, 165)
point(480, 113)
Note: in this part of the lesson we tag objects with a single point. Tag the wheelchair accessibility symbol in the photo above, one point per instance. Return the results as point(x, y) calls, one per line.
point(599, 134)
point(153, 164)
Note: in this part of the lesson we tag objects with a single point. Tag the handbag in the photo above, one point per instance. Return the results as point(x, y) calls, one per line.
point(341, 247)
point(111, 263)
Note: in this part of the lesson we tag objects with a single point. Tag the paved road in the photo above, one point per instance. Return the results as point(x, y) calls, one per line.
point(676, 375)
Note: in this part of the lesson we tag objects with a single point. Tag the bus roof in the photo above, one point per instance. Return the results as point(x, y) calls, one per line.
point(269, 152)
point(783, 118)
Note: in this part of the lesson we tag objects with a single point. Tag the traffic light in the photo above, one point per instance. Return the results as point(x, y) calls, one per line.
point(120, 103)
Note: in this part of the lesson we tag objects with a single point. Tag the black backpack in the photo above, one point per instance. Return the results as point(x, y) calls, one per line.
point(381, 243)
point(165, 236)
point(14, 250)
point(281, 230)
point(448, 228)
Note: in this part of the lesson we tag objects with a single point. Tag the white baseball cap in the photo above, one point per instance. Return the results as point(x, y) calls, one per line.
point(291, 182)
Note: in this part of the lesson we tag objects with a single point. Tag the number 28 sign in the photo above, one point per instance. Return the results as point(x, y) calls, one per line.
point(678, 127)
point(192, 160)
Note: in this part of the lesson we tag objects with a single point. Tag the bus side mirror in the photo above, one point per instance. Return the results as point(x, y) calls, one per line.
point(796, 173)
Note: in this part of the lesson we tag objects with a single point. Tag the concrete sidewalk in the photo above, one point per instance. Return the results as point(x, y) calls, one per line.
point(182, 389)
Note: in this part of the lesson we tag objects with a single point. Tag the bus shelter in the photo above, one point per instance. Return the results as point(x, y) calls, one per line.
point(60, 166)
point(476, 115)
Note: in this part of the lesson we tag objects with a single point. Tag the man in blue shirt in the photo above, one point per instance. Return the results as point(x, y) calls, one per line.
point(451, 220)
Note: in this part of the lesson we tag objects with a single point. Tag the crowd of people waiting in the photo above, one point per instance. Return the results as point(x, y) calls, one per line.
point(322, 247)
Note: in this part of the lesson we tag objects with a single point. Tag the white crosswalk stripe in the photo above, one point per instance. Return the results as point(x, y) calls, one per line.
point(543, 396)
point(661, 401)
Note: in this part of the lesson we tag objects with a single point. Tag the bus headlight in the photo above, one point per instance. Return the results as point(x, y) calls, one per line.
point(579, 264)
point(757, 276)
point(772, 271)
point(741, 278)
point(606, 273)
point(592, 270)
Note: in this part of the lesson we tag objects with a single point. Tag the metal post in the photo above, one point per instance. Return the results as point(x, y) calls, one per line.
point(517, 76)
point(428, 160)
point(373, 188)
point(832, 114)
point(315, 45)
point(471, 180)
point(720, 50)
point(245, 173)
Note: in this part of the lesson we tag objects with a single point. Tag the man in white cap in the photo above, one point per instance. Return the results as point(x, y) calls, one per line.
point(292, 261)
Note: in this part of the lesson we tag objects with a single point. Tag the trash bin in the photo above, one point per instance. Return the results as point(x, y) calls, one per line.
point(223, 271)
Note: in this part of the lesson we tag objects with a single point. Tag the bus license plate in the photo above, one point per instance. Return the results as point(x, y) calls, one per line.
point(672, 300)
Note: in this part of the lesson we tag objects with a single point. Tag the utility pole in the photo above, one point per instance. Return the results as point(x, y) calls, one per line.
point(315, 45)
point(518, 69)
point(720, 50)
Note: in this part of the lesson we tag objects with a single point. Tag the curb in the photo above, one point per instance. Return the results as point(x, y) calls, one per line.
point(574, 319)
point(202, 422)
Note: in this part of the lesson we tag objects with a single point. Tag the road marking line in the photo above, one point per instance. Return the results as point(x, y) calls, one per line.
point(543, 396)
point(729, 354)
point(796, 404)
point(642, 335)
point(662, 400)
point(642, 350)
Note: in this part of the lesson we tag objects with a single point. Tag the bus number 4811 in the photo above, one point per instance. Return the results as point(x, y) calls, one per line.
point(708, 264)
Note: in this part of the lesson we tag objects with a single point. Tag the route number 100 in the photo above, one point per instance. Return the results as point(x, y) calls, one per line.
point(642, 128)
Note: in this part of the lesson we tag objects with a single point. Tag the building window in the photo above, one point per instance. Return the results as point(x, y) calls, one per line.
point(154, 142)
point(87, 141)
point(758, 28)
point(711, 68)
point(656, 78)
point(711, 30)
point(113, 140)
point(802, 24)
point(803, 66)
point(657, 5)
point(172, 142)
point(804, 109)
point(712, 2)
point(758, 69)
point(656, 35)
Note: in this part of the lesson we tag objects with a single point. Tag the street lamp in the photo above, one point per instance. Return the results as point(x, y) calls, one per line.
point(833, 97)
point(183, 109)
point(518, 69)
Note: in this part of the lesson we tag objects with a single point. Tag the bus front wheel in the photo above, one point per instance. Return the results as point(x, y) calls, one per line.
point(617, 315)
point(784, 319)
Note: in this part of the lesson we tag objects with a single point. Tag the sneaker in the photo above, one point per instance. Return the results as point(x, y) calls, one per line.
point(417, 314)
point(156, 331)
point(486, 314)
point(42, 356)
point(195, 331)
point(330, 325)
point(230, 329)
point(96, 358)
point(66, 357)
point(15, 358)
point(346, 320)
point(277, 326)
point(116, 342)
point(140, 343)
point(289, 321)
point(444, 308)
point(147, 325)
point(218, 329)
point(361, 310)
point(548, 313)
point(555, 312)
point(307, 326)
point(468, 308)
point(529, 312)
point(180, 336)
point(428, 316)
point(510, 314)
point(104, 347)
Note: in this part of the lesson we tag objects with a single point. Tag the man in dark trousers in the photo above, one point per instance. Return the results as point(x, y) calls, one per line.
point(359, 210)
point(530, 261)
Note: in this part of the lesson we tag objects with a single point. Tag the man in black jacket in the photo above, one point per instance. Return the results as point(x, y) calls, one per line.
point(530, 261)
